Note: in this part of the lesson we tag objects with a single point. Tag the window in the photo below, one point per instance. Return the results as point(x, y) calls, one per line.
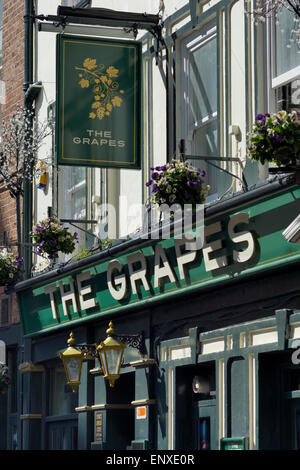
point(75, 191)
point(12, 362)
point(200, 100)
point(285, 69)
point(77, 3)
point(286, 53)
point(61, 399)
point(4, 314)
point(204, 434)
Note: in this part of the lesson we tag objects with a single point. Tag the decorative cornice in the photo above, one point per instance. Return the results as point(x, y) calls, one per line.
point(144, 402)
point(143, 363)
point(96, 371)
point(30, 367)
point(81, 409)
point(31, 416)
point(111, 406)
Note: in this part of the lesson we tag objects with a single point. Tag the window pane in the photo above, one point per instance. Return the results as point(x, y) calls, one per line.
point(204, 434)
point(287, 58)
point(78, 175)
point(205, 143)
point(298, 431)
point(62, 400)
point(203, 81)
point(78, 203)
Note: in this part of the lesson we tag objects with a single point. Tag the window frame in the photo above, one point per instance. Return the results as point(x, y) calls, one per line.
point(195, 40)
point(283, 78)
point(192, 42)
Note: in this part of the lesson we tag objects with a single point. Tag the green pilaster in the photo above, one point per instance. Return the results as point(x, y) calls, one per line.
point(31, 417)
point(144, 403)
point(100, 435)
point(84, 417)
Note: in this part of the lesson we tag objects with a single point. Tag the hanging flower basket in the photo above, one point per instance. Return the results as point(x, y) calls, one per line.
point(11, 268)
point(177, 183)
point(51, 237)
point(276, 138)
point(4, 378)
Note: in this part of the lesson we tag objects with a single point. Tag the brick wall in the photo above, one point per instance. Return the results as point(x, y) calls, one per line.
point(13, 54)
point(13, 78)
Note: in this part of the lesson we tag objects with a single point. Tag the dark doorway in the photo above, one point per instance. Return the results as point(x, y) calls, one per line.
point(120, 416)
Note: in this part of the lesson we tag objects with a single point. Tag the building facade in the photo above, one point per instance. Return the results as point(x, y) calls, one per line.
point(220, 322)
point(12, 97)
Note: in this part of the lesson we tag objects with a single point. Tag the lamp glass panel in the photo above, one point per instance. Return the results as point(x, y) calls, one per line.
point(113, 357)
point(73, 367)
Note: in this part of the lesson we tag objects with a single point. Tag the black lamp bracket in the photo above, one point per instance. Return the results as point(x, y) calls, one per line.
point(130, 22)
point(89, 350)
point(134, 341)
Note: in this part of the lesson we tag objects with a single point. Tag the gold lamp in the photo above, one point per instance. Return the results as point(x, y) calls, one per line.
point(72, 360)
point(111, 354)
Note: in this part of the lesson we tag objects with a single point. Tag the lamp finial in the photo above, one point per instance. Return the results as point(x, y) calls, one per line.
point(71, 341)
point(111, 329)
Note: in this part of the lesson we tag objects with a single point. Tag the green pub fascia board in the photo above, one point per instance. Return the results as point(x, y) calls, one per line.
point(268, 217)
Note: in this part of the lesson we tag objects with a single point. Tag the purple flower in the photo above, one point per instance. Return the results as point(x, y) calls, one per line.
point(75, 235)
point(41, 244)
point(279, 138)
point(259, 117)
point(39, 228)
point(155, 175)
point(52, 243)
point(155, 188)
point(149, 183)
point(163, 168)
point(203, 173)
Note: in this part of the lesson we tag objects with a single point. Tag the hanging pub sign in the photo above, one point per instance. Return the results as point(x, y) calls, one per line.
point(98, 102)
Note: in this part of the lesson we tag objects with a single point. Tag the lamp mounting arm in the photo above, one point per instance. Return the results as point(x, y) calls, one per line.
point(135, 341)
point(89, 350)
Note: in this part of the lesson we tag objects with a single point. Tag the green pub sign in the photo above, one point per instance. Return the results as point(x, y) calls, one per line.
point(237, 244)
point(98, 102)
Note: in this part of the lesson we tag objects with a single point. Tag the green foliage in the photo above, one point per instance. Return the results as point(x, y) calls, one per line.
point(275, 138)
point(51, 237)
point(177, 183)
point(11, 268)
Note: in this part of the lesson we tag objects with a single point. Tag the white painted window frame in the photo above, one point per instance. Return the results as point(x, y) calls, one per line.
point(191, 43)
point(287, 77)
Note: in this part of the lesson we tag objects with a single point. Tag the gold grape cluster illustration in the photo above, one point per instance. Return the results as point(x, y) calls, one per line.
point(103, 85)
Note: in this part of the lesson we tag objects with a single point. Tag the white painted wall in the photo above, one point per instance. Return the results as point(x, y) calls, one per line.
point(130, 183)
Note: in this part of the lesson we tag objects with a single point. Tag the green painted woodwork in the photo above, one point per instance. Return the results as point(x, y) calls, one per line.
point(234, 443)
point(268, 218)
point(98, 102)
